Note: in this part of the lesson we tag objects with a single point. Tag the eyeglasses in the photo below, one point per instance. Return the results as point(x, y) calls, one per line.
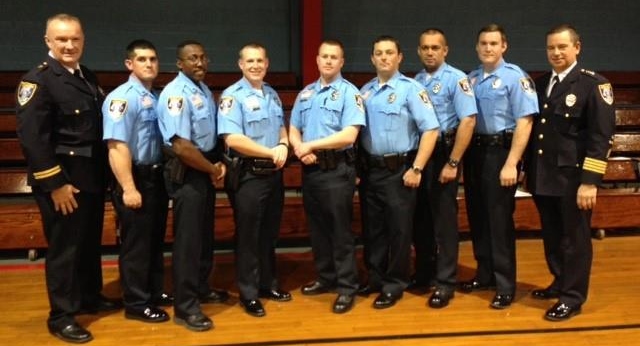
point(195, 59)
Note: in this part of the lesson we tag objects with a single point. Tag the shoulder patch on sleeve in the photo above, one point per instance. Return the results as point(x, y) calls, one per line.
point(226, 103)
point(527, 85)
point(360, 103)
point(174, 105)
point(117, 109)
point(465, 86)
point(424, 96)
point(25, 92)
point(606, 92)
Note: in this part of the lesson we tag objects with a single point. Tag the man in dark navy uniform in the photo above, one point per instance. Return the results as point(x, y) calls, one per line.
point(567, 158)
point(60, 131)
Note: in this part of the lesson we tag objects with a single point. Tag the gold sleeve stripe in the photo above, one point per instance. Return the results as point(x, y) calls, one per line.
point(593, 165)
point(47, 173)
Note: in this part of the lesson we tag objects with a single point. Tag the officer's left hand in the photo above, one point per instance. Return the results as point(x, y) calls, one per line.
point(586, 197)
point(411, 179)
point(448, 174)
point(302, 150)
point(309, 159)
point(279, 155)
point(132, 198)
point(508, 175)
point(219, 170)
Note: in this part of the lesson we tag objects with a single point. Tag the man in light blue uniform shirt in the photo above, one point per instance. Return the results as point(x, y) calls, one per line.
point(507, 102)
point(187, 118)
point(435, 230)
point(325, 121)
point(138, 195)
point(400, 136)
point(252, 125)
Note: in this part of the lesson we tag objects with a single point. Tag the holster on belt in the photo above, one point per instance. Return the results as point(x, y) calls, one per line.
point(234, 172)
point(173, 166)
point(326, 159)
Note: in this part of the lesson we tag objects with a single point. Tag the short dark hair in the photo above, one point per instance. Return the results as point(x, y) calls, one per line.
point(333, 42)
point(386, 38)
point(493, 28)
point(254, 45)
point(185, 43)
point(433, 31)
point(573, 33)
point(138, 44)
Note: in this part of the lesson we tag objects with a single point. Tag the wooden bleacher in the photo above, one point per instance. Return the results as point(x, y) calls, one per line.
point(20, 226)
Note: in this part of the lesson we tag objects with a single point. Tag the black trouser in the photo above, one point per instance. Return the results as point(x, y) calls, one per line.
point(566, 233)
point(389, 207)
point(435, 231)
point(328, 205)
point(257, 211)
point(73, 269)
point(142, 233)
point(193, 223)
point(490, 208)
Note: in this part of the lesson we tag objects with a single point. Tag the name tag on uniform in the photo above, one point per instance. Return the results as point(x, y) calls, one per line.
point(146, 101)
point(252, 103)
point(197, 102)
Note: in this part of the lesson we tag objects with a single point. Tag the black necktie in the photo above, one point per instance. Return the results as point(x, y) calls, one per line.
point(554, 82)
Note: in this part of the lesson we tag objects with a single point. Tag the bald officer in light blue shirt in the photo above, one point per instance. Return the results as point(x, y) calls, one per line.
point(435, 236)
point(139, 196)
point(507, 102)
point(187, 118)
point(401, 133)
point(325, 121)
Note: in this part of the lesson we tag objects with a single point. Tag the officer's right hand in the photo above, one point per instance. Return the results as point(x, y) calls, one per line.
point(309, 159)
point(63, 199)
point(219, 171)
point(279, 155)
point(132, 198)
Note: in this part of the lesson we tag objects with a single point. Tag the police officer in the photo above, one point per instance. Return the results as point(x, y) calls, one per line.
point(139, 196)
point(400, 136)
point(506, 102)
point(252, 125)
point(325, 121)
point(187, 119)
point(567, 159)
point(436, 215)
point(60, 131)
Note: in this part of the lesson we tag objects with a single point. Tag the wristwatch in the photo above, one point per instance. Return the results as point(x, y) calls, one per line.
point(453, 163)
point(416, 169)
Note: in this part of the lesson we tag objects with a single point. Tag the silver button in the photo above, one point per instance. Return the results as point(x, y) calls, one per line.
point(545, 106)
point(72, 153)
point(77, 111)
point(543, 120)
point(566, 115)
point(540, 136)
point(539, 151)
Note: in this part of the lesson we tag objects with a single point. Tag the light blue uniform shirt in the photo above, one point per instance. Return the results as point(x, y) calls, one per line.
point(451, 94)
point(257, 115)
point(504, 96)
point(188, 111)
point(322, 111)
point(398, 112)
point(130, 116)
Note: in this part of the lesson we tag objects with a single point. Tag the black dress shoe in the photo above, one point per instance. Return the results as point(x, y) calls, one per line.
point(343, 303)
point(277, 295)
point(100, 304)
point(386, 300)
point(214, 296)
point(315, 288)
point(253, 307)
point(546, 293)
point(164, 299)
point(71, 333)
point(440, 298)
point(475, 285)
point(562, 312)
point(502, 301)
point(196, 322)
point(149, 314)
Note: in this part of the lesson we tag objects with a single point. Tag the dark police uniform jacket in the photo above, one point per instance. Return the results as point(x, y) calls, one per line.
point(60, 128)
point(571, 138)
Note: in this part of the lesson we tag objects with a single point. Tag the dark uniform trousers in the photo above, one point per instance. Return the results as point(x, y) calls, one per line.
point(389, 207)
point(567, 244)
point(72, 268)
point(257, 211)
point(435, 231)
point(490, 208)
point(142, 233)
point(193, 224)
point(328, 205)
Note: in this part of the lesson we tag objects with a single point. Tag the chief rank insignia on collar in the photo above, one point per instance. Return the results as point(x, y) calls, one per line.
point(25, 92)
point(606, 91)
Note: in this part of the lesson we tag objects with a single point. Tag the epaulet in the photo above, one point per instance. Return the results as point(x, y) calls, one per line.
point(589, 73)
point(43, 66)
